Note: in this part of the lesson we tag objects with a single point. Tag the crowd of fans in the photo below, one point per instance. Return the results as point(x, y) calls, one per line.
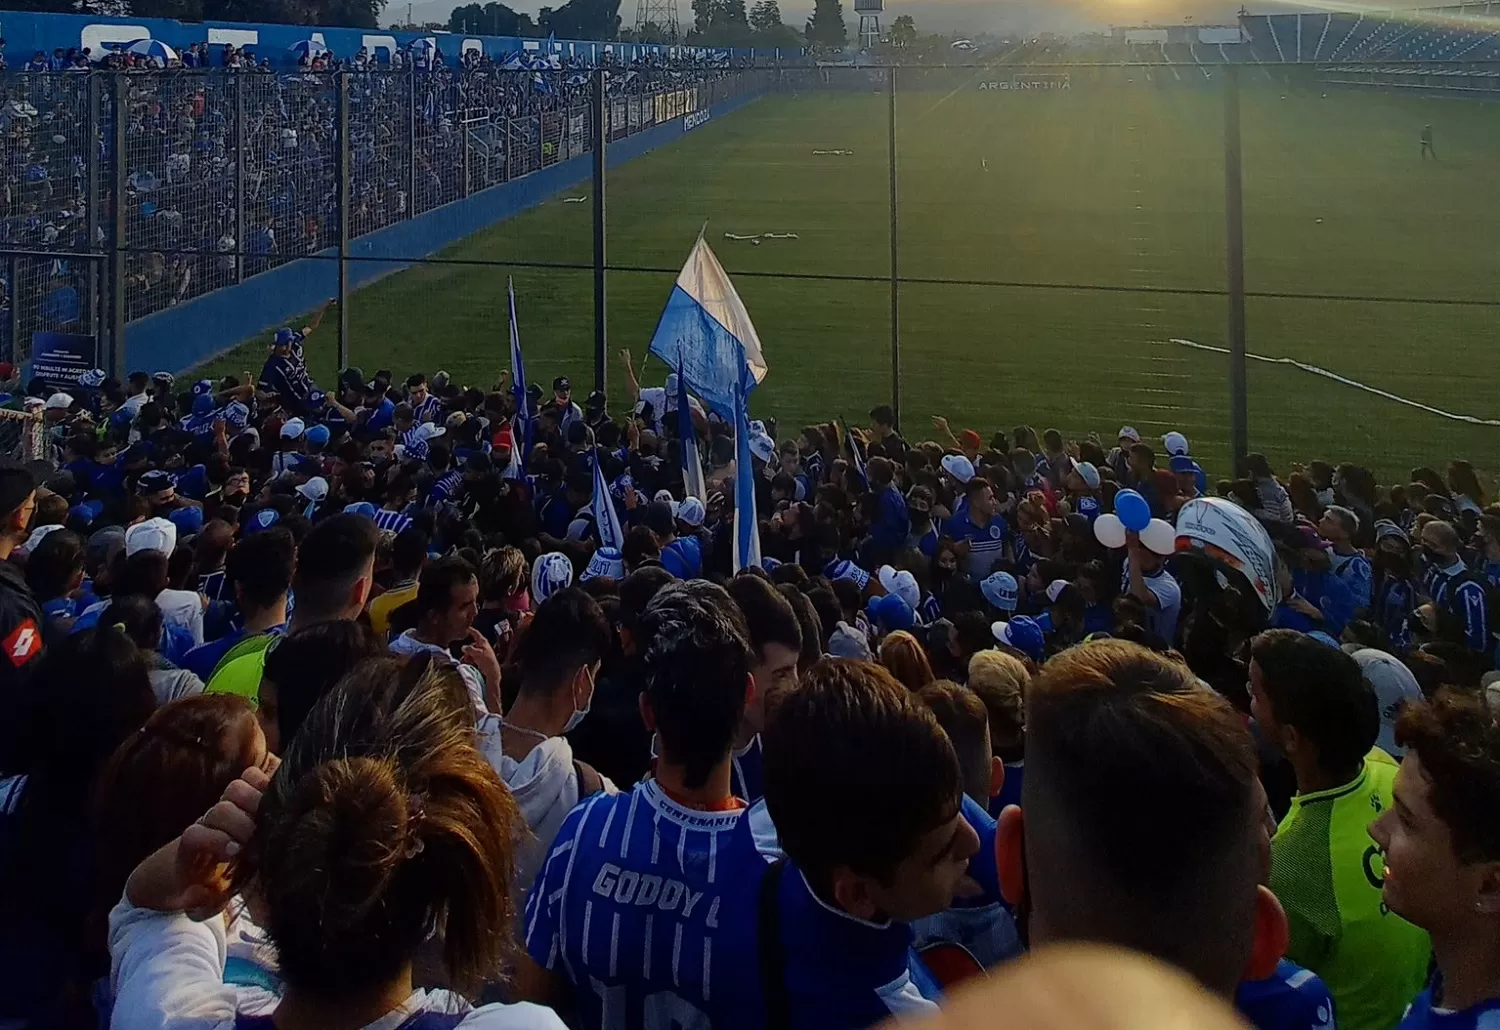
point(331, 708)
point(209, 200)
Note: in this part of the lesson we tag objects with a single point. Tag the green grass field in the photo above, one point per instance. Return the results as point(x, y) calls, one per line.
point(1114, 184)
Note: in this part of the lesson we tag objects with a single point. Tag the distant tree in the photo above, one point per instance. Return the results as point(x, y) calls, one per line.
point(765, 15)
point(182, 10)
point(703, 14)
point(826, 26)
point(582, 19)
point(493, 19)
point(649, 32)
point(903, 31)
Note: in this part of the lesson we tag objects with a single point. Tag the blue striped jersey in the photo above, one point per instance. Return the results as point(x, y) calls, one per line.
point(986, 542)
point(448, 486)
point(1462, 594)
point(1424, 1015)
point(427, 411)
point(747, 772)
point(1356, 572)
point(645, 907)
point(393, 521)
point(1291, 998)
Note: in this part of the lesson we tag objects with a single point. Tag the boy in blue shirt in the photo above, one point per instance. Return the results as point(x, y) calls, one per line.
point(639, 913)
point(1440, 845)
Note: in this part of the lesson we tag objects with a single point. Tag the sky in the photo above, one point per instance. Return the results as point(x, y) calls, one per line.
point(1002, 17)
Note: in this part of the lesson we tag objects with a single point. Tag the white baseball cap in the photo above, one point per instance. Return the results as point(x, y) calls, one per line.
point(39, 534)
point(1055, 589)
point(151, 535)
point(901, 583)
point(1175, 443)
point(691, 511)
point(59, 402)
point(959, 467)
point(315, 489)
point(293, 428)
point(1088, 473)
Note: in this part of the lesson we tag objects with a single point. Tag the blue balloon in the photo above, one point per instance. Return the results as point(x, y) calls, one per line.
point(1133, 510)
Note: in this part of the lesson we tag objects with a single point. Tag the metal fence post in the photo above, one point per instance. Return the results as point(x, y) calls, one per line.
point(460, 119)
point(895, 269)
point(95, 280)
point(1234, 239)
point(600, 300)
point(239, 175)
point(117, 206)
point(343, 166)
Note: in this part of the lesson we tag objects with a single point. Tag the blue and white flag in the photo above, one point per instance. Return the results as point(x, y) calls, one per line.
point(520, 424)
point(706, 334)
point(856, 452)
point(606, 518)
point(694, 484)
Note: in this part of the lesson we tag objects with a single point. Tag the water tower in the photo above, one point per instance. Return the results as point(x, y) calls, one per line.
point(869, 21)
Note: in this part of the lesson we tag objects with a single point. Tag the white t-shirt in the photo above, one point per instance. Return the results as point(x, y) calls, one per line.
point(167, 973)
point(1161, 620)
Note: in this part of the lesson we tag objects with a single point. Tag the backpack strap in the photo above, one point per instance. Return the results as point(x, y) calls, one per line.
point(772, 949)
point(589, 780)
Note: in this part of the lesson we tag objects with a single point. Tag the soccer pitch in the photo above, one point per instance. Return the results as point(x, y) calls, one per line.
point(1088, 204)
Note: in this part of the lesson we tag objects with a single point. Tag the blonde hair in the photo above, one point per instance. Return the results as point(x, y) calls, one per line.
point(903, 656)
point(1000, 680)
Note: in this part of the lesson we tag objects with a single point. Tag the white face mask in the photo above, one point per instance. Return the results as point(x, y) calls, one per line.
point(579, 713)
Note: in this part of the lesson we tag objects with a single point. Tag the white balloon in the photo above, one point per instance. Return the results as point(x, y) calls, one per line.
point(1109, 531)
point(1159, 536)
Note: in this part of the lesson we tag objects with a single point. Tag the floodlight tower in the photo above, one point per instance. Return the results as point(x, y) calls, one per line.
point(661, 13)
point(869, 21)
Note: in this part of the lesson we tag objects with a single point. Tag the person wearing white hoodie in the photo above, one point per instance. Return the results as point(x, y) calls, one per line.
point(446, 603)
point(558, 658)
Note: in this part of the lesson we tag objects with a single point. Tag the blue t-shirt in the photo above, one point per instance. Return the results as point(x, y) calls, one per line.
point(986, 542)
point(683, 557)
point(1291, 998)
point(383, 416)
point(1088, 506)
point(1422, 1015)
point(842, 971)
point(747, 772)
point(646, 907)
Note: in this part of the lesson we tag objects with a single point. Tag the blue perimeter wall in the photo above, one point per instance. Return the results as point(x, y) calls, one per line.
point(184, 337)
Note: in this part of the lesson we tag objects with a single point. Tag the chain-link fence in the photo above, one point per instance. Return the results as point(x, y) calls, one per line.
point(1015, 243)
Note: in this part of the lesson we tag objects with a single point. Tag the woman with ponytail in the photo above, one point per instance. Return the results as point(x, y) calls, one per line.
point(382, 826)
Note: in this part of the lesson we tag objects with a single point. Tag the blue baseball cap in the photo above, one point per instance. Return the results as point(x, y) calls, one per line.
point(88, 511)
point(202, 404)
point(1022, 633)
point(316, 399)
point(187, 520)
point(284, 336)
point(844, 569)
point(1183, 464)
point(265, 518)
point(364, 508)
point(237, 415)
point(203, 387)
point(317, 436)
point(891, 613)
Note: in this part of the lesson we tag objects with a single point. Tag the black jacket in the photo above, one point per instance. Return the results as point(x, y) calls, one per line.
point(20, 628)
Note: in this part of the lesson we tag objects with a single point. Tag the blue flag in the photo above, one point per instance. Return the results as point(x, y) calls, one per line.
point(606, 518)
point(521, 430)
point(706, 334)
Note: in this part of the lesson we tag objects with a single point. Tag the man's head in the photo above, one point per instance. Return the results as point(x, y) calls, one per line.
point(1142, 460)
point(562, 390)
point(1312, 703)
point(1441, 838)
point(695, 653)
point(559, 654)
point(982, 501)
point(962, 715)
point(416, 389)
point(1179, 880)
point(999, 679)
point(447, 601)
point(335, 566)
point(1338, 525)
point(865, 790)
point(17, 500)
point(775, 640)
point(1440, 543)
point(408, 553)
point(261, 567)
point(882, 421)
